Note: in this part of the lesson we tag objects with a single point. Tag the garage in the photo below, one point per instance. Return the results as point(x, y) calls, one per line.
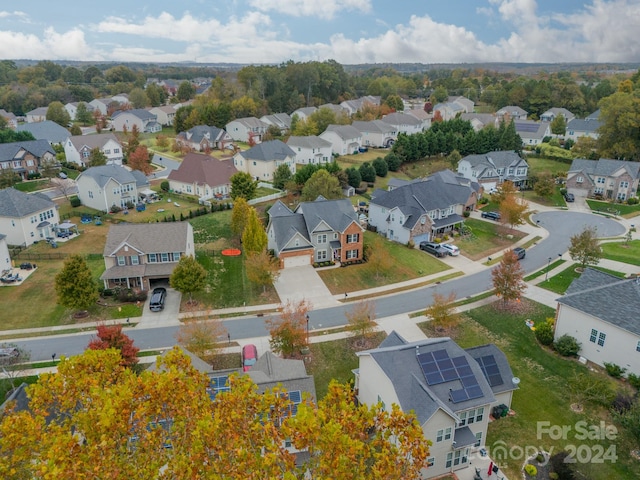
point(297, 261)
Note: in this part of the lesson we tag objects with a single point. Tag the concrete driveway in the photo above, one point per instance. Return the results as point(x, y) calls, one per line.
point(304, 283)
point(166, 317)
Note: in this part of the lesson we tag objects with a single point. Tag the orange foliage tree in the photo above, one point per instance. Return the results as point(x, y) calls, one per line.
point(139, 160)
point(289, 331)
point(111, 336)
point(508, 278)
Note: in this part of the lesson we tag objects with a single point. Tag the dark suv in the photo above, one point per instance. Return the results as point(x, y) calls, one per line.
point(520, 252)
point(158, 297)
point(433, 249)
point(491, 215)
point(569, 197)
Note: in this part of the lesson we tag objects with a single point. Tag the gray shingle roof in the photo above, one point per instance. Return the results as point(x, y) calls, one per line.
point(604, 167)
point(400, 118)
point(47, 130)
point(345, 132)
point(606, 297)
point(512, 110)
point(148, 237)
point(141, 113)
point(270, 371)
point(251, 122)
point(201, 131)
point(269, 151)
point(311, 141)
point(103, 173)
point(374, 126)
point(531, 129)
point(92, 141)
point(501, 361)
point(305, 111)
point(583, 125)
point(498, 159)
point(17, 204)
point(282, 120)
point(37, 148)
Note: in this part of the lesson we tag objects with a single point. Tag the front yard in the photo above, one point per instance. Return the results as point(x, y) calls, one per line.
point(621, 209)
point(622, 252)
point(487, 237)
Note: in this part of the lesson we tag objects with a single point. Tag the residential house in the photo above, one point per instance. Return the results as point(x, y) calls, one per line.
point(492, 168)
point(480, 120)
point(145, 121)
point(304, 113)
point(450, 390)
point(423, 209)
point(454, 107)
point(601, 312)
point(587, 127)
point(121, 98)
point(47, 130)
point(27, 218)
point(421, 115)
point(404, 122)
point(553, 113)
point(271, 371)
point(202, 138)
point(105, 105)
point(532, 133)
point(338, 110)
point(311, 149)
point(165, 114)
point(5, 257)
point(280, 120)
point(25, 158)
point(202, 176)
point(345, 139)
point(12, 120)
point(37, 115)
point(262, 160)
point(376, 133)
point(511, 112)
point(612, 179)
point(78, 148)
point(318, 231)
point(467, 104)
point(106, 186)
point(72, 108)
point(243, 129)
point(139, 255)
point(356, 105)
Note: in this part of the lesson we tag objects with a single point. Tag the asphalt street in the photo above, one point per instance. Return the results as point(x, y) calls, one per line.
point(561, 226)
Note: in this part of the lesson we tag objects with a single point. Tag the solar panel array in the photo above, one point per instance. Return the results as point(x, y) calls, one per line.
point(490, 369)
point(527, 127)
point(218, 385)
point(295, 396)
point(438, 368)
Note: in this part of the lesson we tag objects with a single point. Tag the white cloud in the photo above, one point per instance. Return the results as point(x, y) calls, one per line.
point(52, 45)
point(5, 14)
point(326, 9)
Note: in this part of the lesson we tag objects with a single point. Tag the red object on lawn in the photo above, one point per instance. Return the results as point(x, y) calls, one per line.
point(490, 469)
point(231, 252)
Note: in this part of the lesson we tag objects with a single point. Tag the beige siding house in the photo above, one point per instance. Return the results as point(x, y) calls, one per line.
point(203, 176)
point(26, 218)
point(104, 187)
point(78, 148)
point(262, 160)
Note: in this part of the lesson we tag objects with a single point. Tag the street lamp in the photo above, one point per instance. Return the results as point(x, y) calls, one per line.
point(546, 275)
point(307, 316)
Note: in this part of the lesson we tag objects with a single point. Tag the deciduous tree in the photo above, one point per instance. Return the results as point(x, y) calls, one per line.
point(240, 216)
point(139, 160)
point(75, 285)
point(111, 336)
point(508, 278)
point(620, 121)
point(559, 125)
point(281, 176)
point(57, 113)
point(585, 247)
point(202, 337)
point(442, 311)
point(254, 238)
point(96, 157)
point(83, 115)
point(322, 183)
point(545, 185)
point(289, 331)
point(243, 185)
point(262, 268)
point(513, 210)
point(362, 319)
point(379, 262)
point(188, 276)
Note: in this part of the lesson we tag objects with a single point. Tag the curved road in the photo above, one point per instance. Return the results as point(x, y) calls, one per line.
point(561, 226)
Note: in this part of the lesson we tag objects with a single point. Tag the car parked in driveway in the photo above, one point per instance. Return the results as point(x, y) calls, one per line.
point(520, 252)
point(433, 248)
point(569, 197)
point(451, 249)
point(491, 215)
point(158, 296)
point(249, 356)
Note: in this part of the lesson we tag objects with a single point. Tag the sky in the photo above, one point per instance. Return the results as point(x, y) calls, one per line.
point(348, 31)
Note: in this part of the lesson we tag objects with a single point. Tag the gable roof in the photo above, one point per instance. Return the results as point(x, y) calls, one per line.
point(269, 151)
point(203, 170)
point(512, 110)
point(196, 362)
point(604, 167)
point(92, 141)
point(609, 298)
point(420, 114)
point(17, 204)
point(141, 113)
point(555, 111)
point(250, 122)
point(37, 148)
point(282, 120)
point(480, 354)
point(496, 159)
point(306, 111)
point(374, 126)
point(199, 132)
point(531, 129)
point(103, 173)
point(270, 371)
point(583, 125)
point(310, 141)
point(345, 132)
point(40, 111)
point(147, 237)
point(47, 130)
point(594, 116)
point(401, 118)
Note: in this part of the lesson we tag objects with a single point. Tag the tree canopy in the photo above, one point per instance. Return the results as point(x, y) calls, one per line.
point(243, 185)
point(188, 276)
point(585, 247)
point(322, 183)
point(75, 285)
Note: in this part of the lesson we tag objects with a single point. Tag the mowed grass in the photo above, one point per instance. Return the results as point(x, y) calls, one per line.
point(542, 395)
point(538, 165)
point(488, 237)
point(556, 200)
point(32, 185)
point(621, 252)
point(626, 211)
point(408, 263)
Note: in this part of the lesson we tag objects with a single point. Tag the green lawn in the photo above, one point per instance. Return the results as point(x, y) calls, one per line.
point(408, 263)
point(614, 208)
point(487, 238)
point(556, 200)
point(621, 252)
point(542, 394)
point(538, 165)
point(560, 282)
point(32, 185)
point(539, 273)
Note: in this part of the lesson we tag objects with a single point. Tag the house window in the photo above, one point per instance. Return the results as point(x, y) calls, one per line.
point(165, 257)
point(30, 163)
point(322, 238)
point(638, 346)
point(382, 405)
point(90, 194)
point(176, 256)
point(444, 434)
point(151, 258)
point(431, 461)
point(624, 184)
point(254, 164)
point(580, 179)
point(116, 150)
point(335, 236)
point(322, 255)
point(121, 260)
point(353, 238)
point(351, 254)
point(597, 337)
point(521, 171)
point(478, 439)
point(449, 459)
point(85, 154)
point(601, 180)
point(107, 152)
point(135, 260)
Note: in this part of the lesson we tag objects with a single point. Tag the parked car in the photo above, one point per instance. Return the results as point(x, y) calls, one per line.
point(520, 252)
point(569, 197)
point(433, 248)
point(450, 249)
point(62, 175)
point(491, 215)
point(158, 297)
point(249, 356)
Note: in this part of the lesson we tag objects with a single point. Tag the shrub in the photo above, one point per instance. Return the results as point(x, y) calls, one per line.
point(633, 201)
point(411, 244)
point(483, 201)
point(616, 371)
point(622, 402)
point(544, 333)
point(553, 476)
point(530, 470)
point(164, 185)
point(540, 458)
point(466, 214)
point(634, 380)
point(75, 201)
point(567, 346)
point(115, 209)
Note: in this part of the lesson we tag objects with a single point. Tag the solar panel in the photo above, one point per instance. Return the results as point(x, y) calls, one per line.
point(469, 382)
point(527, 127)
point(445, 364)
point(460, 361)
point(425, 357)
point(458, 396)
point(465, 371)
point(488, 360)
point(495, 380)
point(490, 370)
point(218, 385)
point(449, 374)
point(295, 396)
point(474, 392)
point(440, 354)
point(430, 367)
point(434, 378)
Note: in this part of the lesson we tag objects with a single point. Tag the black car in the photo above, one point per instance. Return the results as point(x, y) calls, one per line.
point(158, 297)
point(569, 197)
point(433, 249)
point(491, 215)
point(520, 252)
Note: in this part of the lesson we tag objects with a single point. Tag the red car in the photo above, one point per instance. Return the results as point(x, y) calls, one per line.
point(249, 356)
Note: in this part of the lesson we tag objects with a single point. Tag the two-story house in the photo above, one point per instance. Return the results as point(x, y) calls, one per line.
point(532, 133)
point(511, 112)
point(106, 186)
point(25, 158)
point(12, 120)
point(344, 139)
point(27, 218)
point(492, 168)
point(311, 149)
point(303, 113)
point(37, 115)
point(165, 114)
point(262, 160)
point(202, 138)
point(72, 108)
point(104, 105)
point(145, 121)
point(357, 104)
point(376, 133)
point(318, 231)
point(47, 130)
point(555, 112)
point(423, 209)
point(611, 179)
point(137, 255)
point(243, 129)
point(280, 120)
point(450, 390)
point(584, 127)
point(404, 123)
point(78, 148)
point(202, 176)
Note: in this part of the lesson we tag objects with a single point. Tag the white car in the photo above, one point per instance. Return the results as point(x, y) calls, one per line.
point(450, 249)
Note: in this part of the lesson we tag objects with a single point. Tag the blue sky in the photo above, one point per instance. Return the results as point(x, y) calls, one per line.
point(349, 31)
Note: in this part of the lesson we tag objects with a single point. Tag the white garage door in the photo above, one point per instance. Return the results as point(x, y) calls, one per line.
point(299, 261)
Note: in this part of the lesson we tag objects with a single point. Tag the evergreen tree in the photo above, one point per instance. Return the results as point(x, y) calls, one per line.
point(75, 286)
point(281, 176)
point(367, 172)
point(243, 185)
point(354, 177)
point(254, 238)
point(380, 167)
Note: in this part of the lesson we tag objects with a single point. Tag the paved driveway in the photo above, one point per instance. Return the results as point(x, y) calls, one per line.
point(298, 283)
point(168, 316)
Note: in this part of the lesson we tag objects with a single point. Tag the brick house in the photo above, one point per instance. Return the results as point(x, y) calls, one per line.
point(612, 179)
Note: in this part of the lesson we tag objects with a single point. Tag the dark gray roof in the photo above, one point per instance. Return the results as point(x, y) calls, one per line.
point(141, 113)
point(604, 167)
point(19, 396)
point(464, 437)
point(103, 173)
point(497, 159)
point(37, 148)
point(279, 209)
point(400, 364)
point(374, 126)
point(400, 118)
point(148, 237)
point(594, 116)
point(501, 361)
point(196, 362)
point(311, 141)
point(583, 125)
point(201, 131)
point(47, 130)
point(269, 151)
point(531, 129)
point(141, 179)
point(270, 371)
point(345, 132)
point(17, 204)
point(609, 298)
